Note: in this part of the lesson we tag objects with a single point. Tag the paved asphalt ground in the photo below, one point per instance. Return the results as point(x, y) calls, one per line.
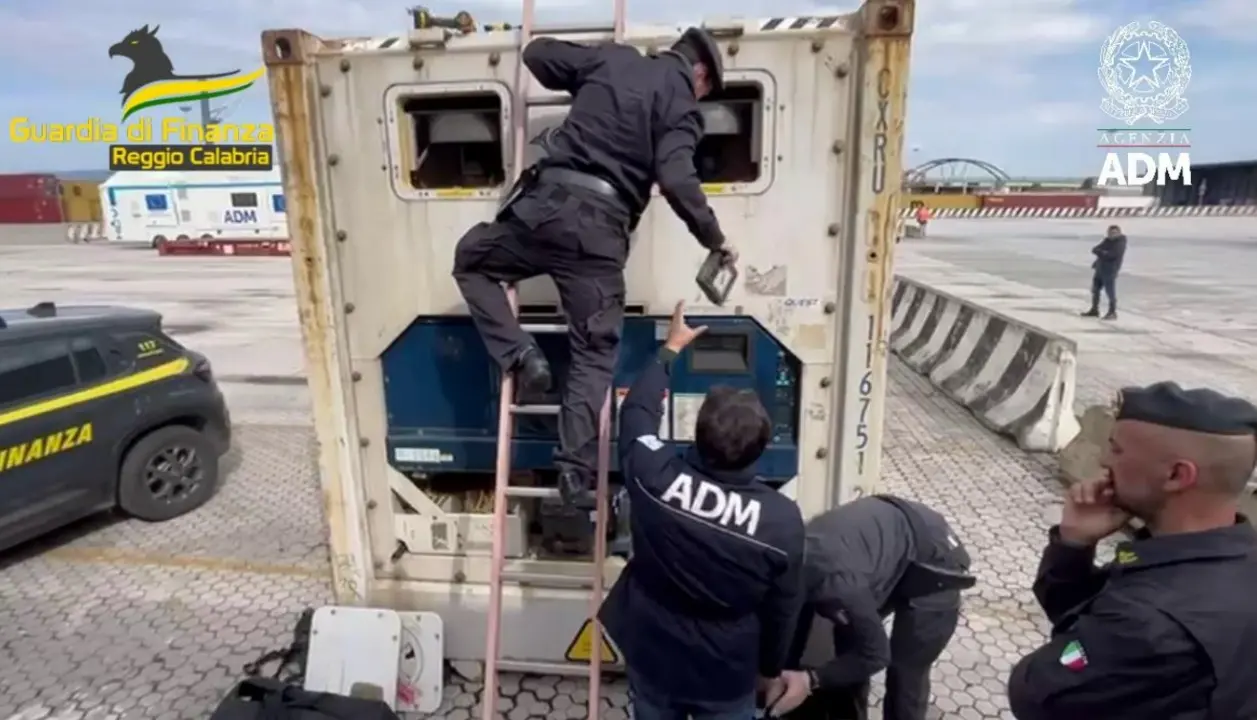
point(116, 619)
point(1187, 293)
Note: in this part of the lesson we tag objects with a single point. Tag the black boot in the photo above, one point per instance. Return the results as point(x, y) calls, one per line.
point(1093, 312)
point(1111, 314)
point(575, 491)
point(620, 542)
point(532, 371)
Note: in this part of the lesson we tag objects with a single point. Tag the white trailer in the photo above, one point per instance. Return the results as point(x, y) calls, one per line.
point(154, 207)
point(394, 146)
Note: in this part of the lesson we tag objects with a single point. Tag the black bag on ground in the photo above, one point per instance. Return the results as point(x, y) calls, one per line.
point(266, 699)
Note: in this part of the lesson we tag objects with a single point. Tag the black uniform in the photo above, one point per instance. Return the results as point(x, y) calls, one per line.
point(711, 594)
point(868, 559)
point(634, 122)
point(1169, 629)
point(1108, 263)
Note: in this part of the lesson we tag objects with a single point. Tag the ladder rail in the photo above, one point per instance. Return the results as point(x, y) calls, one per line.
point(506, 420)
point(507, 411)
point(502, 472)
point(600, 554)
point(603, 491)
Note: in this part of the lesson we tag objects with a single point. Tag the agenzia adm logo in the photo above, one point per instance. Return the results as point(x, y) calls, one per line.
point(153, 81)
point(1145, 69)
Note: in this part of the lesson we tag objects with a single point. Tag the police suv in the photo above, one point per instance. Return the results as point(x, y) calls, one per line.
point(101, 409)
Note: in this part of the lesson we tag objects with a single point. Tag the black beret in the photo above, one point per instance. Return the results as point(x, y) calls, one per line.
point(1206, 411)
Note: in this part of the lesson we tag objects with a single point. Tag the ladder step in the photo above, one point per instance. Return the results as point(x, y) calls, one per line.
point(520, 491)
point(544, 327)
point(535, 409)
point(552, 101)
point(546, 668)
point(547, 579)
point(572, 29)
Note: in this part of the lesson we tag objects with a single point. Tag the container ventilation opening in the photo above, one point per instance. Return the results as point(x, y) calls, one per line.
point(732, 136)
point(457, 141)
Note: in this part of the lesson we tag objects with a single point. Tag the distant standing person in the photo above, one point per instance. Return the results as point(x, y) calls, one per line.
point(923, 216)
point(1108, 263)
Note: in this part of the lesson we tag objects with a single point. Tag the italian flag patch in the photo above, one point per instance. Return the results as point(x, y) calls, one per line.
point(1073, 656)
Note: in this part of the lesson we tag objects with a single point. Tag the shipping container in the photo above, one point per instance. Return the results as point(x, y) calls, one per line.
point(1039, 200)
point(944, 201)
point(80, 200)
point(21, 186)
point(383, 300)
point(19, 211)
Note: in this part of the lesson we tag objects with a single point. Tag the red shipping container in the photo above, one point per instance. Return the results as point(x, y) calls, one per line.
point(29, 185)
point(1039, 200)
point(15, 211)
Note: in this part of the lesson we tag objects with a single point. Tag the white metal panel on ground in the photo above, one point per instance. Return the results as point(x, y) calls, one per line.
point(421, 667)
point(355, 651)
point(371, 252)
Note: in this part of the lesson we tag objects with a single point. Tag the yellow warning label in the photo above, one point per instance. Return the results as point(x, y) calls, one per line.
point(457, 192)
point(581, 648)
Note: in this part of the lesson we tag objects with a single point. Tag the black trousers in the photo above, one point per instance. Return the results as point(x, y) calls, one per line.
point(581, 242)
point(920, 631)
point(1107, 282)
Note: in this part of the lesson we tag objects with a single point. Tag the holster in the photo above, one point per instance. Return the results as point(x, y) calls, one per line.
point(525, 182)
point(923, 578)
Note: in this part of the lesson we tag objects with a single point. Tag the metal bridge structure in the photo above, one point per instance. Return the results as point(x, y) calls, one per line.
point(956, 171)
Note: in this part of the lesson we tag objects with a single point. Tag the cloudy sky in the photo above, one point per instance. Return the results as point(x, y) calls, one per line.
point(1012, 82)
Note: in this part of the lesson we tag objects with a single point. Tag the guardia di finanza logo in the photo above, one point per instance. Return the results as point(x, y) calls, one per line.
point(153, 80)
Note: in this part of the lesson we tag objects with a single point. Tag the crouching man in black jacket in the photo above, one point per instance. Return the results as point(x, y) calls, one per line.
point(865, 560)
point(710, 597)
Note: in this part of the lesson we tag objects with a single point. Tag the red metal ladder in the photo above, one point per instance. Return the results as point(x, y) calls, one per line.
point(508, 411)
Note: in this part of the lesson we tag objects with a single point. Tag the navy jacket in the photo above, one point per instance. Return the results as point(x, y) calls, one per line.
point(634, 122)
point(1109, 254)
point(1168, 630)
point(712, 592)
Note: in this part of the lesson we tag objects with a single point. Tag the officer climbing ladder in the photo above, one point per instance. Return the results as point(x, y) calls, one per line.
point(509, 409)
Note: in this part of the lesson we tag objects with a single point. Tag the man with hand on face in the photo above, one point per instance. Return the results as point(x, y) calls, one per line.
point(711, 593)
point(1168, 630)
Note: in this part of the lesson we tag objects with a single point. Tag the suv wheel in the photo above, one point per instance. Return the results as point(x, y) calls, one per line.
point(169, 472)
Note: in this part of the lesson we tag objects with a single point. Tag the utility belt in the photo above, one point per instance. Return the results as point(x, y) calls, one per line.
point(925, 577)
point(563, 177)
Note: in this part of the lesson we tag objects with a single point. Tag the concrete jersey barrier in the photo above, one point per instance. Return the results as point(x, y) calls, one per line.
point(84, 232)
point(1069, 213)
point(1017, 379)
